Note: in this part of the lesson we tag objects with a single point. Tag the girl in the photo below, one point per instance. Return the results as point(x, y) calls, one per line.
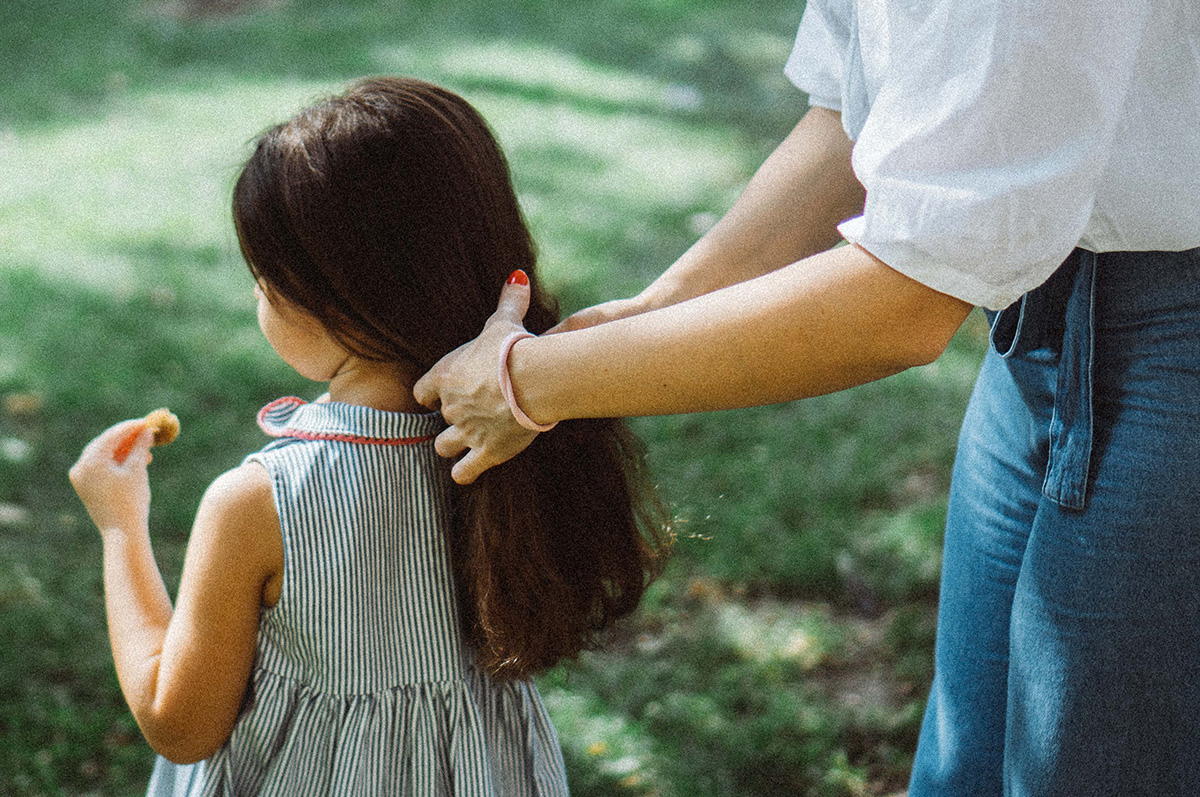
point(348, 620)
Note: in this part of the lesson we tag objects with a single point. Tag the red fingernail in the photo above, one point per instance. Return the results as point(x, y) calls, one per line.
point(518, 277)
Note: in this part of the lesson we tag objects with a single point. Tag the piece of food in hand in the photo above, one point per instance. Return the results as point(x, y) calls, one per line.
point(164, 425)
point(162, 422)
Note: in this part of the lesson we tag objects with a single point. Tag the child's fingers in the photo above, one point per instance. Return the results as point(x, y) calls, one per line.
point(105, 445)
point(98, 465)
point(140, 453)
point(126, 443)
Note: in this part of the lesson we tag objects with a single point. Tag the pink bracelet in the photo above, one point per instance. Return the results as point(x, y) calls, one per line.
point(507, 389)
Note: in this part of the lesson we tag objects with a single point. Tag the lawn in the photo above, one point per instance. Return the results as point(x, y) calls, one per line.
point(787, 650)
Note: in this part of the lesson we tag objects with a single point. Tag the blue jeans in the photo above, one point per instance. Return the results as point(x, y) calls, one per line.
point(1068, 649)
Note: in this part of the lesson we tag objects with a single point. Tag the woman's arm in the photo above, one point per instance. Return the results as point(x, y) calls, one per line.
point(789, 210)
point(183, 672)
point(758, 311)
point(836, 319)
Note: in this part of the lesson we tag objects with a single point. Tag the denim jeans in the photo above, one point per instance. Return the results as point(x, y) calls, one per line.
point(1068, 647)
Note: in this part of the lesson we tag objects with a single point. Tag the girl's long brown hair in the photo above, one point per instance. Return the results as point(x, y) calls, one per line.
point(388, 214)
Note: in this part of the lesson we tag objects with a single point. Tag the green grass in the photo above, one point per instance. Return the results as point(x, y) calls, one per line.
point(788, 648)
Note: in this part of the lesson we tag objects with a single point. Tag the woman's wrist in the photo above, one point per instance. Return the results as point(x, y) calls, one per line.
point(508, 389)
point(663, 292)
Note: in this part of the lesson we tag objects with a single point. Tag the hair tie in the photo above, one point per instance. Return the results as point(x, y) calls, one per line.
point(507, 389)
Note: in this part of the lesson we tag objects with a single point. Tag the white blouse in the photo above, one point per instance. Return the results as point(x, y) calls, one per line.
point(995, 136)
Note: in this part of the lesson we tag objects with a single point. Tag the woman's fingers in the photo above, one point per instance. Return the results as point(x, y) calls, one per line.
point(514, 300)
point(470, 369)
point(464, 385)
point(450, 443)
point(479, 448)
point(467, 469)
point(480, 458)
point(428, 389)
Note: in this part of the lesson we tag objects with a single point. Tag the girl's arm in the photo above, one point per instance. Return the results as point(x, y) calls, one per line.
point(183, 672)
point(789, 210)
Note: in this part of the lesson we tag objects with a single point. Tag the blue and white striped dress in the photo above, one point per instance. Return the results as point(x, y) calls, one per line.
point(362, 684)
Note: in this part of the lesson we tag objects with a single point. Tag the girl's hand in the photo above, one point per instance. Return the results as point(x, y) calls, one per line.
point(116, 494)
point(465, 386)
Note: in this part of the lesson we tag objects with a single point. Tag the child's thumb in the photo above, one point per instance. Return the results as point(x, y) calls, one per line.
point(514, 299)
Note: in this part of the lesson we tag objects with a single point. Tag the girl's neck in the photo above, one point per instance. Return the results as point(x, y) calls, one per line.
point(381, 386)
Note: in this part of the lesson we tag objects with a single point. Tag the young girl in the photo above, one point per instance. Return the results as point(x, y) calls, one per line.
point(349, 621)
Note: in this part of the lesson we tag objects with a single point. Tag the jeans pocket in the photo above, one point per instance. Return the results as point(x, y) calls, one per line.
point(1006, 326)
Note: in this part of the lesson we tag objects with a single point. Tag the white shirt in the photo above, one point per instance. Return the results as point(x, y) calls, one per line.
point(994, 136)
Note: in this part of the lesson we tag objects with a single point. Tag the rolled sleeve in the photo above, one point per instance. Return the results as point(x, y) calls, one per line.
point(984, 146)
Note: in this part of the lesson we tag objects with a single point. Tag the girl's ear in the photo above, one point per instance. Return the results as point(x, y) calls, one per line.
point(264, 292)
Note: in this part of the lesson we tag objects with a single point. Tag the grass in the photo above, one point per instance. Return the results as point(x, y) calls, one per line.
point(788, 648)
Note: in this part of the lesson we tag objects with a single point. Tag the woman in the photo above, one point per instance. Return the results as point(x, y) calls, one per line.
point(1040, 160)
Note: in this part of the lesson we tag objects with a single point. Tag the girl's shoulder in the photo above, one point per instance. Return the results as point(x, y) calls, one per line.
point(238, 513)
point(244, 491)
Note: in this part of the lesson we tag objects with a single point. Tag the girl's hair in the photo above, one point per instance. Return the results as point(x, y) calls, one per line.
point(387, 213)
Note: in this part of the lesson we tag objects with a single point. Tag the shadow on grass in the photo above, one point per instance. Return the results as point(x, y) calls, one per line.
point(67, 60)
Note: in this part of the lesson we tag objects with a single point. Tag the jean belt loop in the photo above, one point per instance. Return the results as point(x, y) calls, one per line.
point(1071, 424)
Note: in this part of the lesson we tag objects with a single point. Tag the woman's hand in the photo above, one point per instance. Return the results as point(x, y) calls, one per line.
point(465, 386)
point(602, 314)
point(116, 494)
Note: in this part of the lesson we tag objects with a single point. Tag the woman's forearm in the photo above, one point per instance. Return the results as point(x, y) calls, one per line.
point(759, 311)
point(789, 210)
point(834, 320)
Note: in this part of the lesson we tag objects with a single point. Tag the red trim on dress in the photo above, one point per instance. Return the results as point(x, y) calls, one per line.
point(287, 431)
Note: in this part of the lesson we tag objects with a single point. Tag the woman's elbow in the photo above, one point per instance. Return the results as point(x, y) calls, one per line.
point(925, 350)
point(938, 319)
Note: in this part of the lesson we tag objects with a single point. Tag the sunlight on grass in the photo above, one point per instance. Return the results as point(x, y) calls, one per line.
point(597, 153)
point(589, 179)
point(156, 168)
point(801, 635)
point(613, 750)
point(531, 70)
point(89, 201)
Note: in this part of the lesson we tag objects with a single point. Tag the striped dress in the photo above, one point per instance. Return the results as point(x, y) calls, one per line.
point(362, 685)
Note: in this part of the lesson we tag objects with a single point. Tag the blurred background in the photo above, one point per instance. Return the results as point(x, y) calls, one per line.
point(787, 650)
